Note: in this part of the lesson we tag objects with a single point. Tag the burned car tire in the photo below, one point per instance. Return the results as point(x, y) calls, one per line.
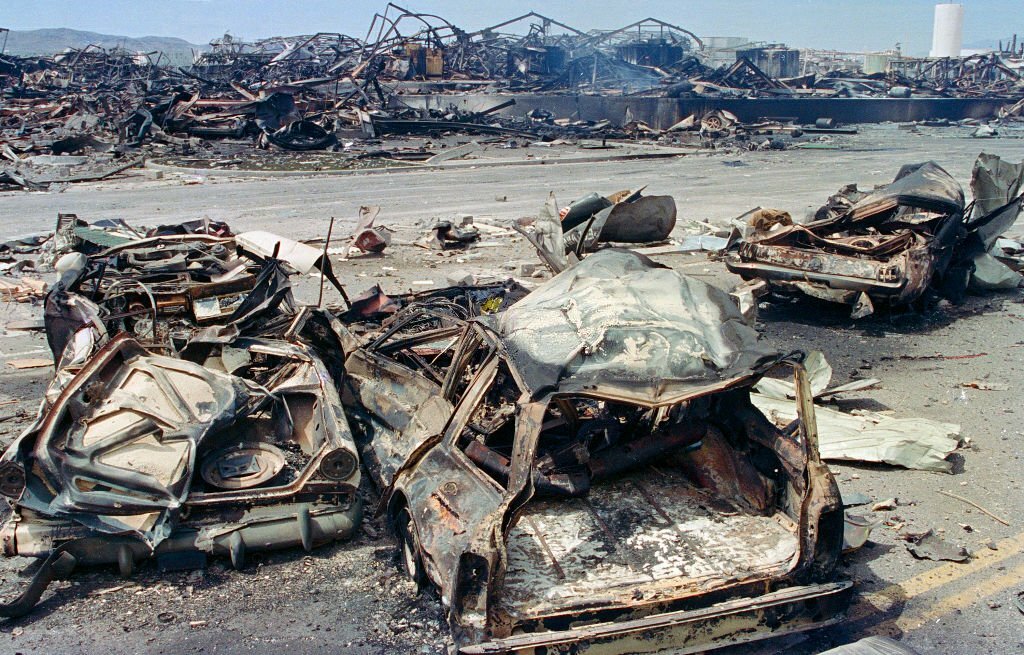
point(301, 135)
point(409, 548)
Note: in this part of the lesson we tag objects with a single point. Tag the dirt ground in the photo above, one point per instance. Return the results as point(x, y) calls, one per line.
point(350, 598)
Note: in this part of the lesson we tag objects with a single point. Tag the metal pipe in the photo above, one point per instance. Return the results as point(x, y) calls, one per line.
point(323, 264)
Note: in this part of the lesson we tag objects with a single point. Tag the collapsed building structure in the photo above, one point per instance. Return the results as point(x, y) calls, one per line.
point(530, 76)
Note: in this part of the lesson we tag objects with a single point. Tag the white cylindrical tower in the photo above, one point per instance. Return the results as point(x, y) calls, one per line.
point(948, 31)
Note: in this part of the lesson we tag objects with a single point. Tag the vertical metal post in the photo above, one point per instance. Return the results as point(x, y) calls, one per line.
point(805, 411)
point(323, 263)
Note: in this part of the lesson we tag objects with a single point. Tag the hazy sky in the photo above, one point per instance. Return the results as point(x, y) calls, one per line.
point(853, 25)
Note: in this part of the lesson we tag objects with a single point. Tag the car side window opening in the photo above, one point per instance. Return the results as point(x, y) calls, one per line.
point(424, 343)
point(585, 440)
point(470, 355)
point(488, 435)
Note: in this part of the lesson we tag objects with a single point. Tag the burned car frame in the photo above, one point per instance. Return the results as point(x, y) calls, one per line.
point(584, 472)
point(164, 288)
point(144, 455)
point(236, 443)
point(890, 246)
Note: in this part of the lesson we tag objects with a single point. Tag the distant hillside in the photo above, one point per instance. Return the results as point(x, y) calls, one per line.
point(51, 41)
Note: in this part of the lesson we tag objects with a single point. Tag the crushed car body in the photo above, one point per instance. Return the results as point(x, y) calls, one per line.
point(164, 287)
point(584, 471)
point(888, 246)
point(218, 438)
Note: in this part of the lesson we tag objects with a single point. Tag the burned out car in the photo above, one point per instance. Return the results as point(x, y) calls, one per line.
point(888, 246)
point(585, 472)
point(163, 286)
point(234, 441)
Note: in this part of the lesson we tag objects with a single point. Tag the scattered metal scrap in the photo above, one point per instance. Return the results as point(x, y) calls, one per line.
point(197, 410)
point(913, 443)
point(563, 236)
point(933, 547)
point(90, 113)
point(490, 419)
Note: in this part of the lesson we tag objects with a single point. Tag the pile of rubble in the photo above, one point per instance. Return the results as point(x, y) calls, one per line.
point(91, 113)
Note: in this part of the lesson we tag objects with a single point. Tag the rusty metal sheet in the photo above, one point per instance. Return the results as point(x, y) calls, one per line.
point(623, 323)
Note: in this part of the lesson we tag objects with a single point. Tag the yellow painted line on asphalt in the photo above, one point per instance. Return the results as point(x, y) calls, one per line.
point(886, 599)
point(970, 596)
point(911, 621)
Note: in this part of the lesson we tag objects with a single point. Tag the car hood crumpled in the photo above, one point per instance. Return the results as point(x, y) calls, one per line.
point(925, 186)
point(633, 328)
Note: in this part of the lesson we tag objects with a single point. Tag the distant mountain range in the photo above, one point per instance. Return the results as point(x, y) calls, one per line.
point(27, 43)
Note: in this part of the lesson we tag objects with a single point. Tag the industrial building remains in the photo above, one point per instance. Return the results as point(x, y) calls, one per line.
point(91, 113)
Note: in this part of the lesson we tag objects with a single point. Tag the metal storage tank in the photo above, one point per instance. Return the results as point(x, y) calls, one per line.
point(948, 30)
point(876, 62)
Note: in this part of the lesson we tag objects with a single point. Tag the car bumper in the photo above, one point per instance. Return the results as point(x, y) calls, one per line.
point(790, 610)
point(776, 273)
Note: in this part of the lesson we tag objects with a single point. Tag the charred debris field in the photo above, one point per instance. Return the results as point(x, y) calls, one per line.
point(454, 341)
point(940, 371)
